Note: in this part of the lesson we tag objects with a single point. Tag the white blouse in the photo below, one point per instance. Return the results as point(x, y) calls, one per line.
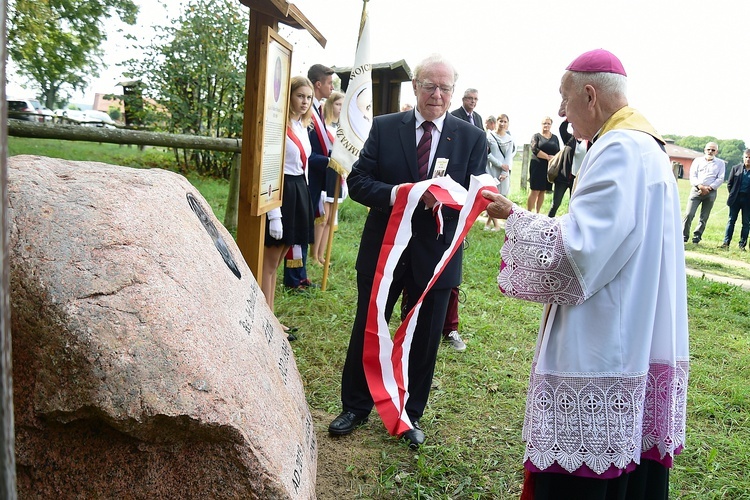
point(292, 158)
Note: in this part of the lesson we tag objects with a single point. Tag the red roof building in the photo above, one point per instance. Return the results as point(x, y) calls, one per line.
point(683, 156)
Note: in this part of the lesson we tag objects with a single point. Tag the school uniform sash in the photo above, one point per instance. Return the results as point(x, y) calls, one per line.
point(293, 137)
point(386, 361)
point(325, 138)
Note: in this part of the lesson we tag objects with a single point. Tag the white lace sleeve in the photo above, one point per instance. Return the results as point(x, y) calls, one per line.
point(534, 265)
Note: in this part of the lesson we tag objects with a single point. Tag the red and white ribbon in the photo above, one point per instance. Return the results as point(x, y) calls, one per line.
point(325, 138)
point(386, 360)
point(302, 156)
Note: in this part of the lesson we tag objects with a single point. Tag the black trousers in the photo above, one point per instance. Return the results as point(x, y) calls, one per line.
point(559, 194)
point(649, 481)
point(355, 394)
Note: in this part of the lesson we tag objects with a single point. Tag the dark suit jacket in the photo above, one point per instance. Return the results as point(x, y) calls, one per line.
point(388, 158)
point(461, 113)
point(565, 176)
point(734, 183)
point(317, 164)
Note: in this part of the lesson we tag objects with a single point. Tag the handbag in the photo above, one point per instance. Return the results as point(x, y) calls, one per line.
point(556, 162)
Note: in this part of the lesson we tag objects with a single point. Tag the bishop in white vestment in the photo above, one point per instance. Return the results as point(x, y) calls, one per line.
point(607, 391)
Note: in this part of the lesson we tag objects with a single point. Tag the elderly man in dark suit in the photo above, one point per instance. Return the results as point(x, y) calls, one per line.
point(466, 111)
point(389, 159)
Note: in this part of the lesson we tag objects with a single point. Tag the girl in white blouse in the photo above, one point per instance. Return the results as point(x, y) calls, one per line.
point(292, 224)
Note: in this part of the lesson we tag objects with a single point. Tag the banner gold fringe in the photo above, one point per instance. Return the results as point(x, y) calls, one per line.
point(337, 167)
point(293, 263)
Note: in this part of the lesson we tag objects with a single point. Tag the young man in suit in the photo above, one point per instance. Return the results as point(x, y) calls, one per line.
point(388, 160)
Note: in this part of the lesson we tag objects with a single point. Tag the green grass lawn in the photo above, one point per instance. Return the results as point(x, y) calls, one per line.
point(474, 418)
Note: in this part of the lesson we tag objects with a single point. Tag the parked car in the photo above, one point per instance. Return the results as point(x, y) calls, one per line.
point(47, 114)
point(24, 109)
point(69, 116)
point(95, 118)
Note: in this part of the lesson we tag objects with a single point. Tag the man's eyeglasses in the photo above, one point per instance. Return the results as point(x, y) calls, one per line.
point(710, 150)
point(471, 98)
point(430, 88)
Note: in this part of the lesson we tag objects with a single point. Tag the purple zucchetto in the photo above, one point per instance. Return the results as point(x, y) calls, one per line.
point(597, 61)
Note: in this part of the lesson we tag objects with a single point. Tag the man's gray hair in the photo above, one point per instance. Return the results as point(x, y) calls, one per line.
point(432, 60)
point(470, 91)
point(608, 83)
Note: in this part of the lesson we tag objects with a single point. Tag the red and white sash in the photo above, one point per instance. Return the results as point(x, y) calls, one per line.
point(386, 361)
point(302, 156)
point(324, 135)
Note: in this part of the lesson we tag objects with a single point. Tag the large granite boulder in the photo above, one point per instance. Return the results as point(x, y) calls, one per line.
point(146, 363)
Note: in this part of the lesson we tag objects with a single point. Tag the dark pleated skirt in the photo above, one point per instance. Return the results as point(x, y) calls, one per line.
point(296, 214)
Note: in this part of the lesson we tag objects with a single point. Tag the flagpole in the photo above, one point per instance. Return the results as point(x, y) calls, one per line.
point(334, 209)
point(362, 19)
point(331, 224)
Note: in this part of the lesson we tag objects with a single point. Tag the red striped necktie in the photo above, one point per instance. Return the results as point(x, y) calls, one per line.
point(423, 150)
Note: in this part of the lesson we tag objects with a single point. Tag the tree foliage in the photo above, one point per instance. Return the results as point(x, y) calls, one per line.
point(730, 150)
point(194, 70)
point(56, 44)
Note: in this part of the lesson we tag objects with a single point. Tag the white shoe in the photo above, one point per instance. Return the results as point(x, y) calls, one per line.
point(454, 339)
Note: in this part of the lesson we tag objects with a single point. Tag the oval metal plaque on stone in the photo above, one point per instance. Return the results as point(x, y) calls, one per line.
point(219, 242)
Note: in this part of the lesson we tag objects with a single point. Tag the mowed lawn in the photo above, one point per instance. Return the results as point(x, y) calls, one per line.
point(474, 418)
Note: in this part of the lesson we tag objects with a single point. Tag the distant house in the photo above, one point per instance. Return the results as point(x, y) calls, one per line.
point(101, 103)
point(130, 102)
point(683, 156)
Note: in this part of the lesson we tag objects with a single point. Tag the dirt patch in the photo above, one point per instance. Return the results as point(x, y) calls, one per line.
point(347, 465)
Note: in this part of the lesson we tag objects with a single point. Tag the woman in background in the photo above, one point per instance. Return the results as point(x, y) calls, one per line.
point(507, 150)
point(331, 115)
point(493, 163)
point(544, 145)
point(499, 159)
point(292, 223)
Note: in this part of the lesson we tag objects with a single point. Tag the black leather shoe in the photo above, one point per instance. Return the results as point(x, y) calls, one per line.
point(415, 436)
point(696, 241)
point(345, 423)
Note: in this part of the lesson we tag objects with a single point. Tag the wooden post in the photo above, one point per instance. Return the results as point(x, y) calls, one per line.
point(7, 435)
point(265, 16)
point(331, 225)
point(525, 160)
point(251, 230)
point(230, 216)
